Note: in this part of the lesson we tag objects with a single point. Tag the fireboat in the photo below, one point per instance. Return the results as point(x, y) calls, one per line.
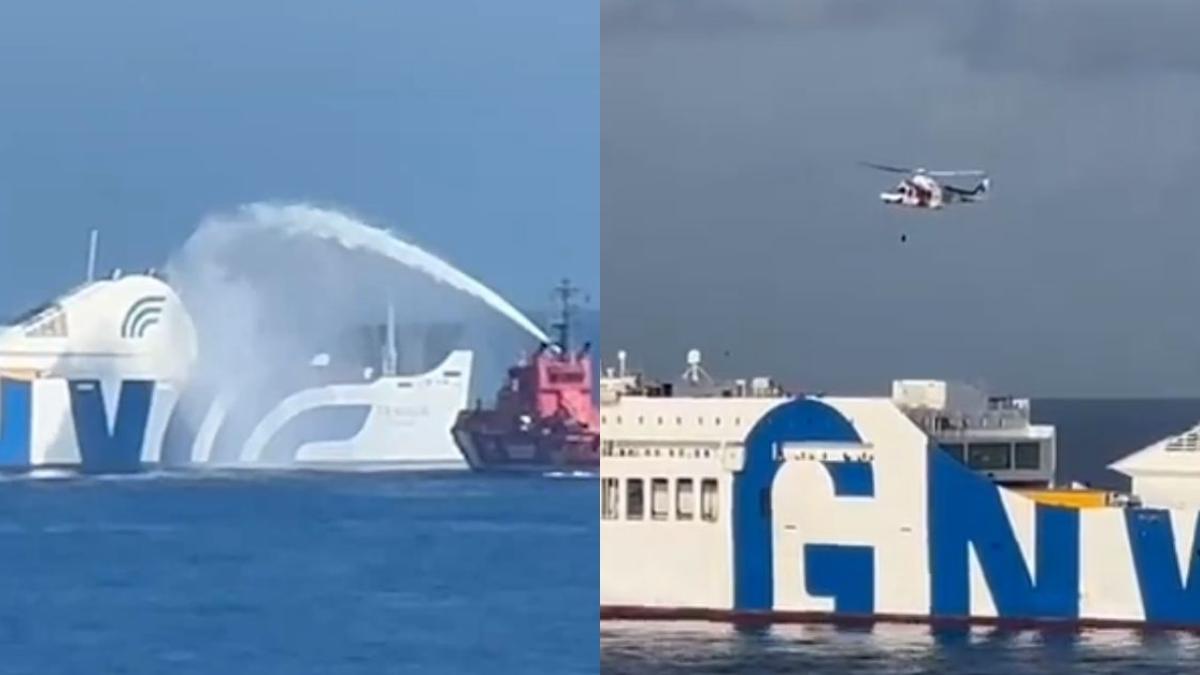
point(544, 418)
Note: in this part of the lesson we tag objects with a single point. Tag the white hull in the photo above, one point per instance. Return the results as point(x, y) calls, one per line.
point(99, 380)
point(844, 509)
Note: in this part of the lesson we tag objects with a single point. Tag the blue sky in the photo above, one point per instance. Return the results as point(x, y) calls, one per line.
point(470, 126)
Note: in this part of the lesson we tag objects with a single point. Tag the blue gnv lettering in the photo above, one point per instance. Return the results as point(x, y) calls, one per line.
point(844, 573)
point(799, 420)
point(1165, 596)
point(118, 449)
point(965, 511)
point(16, 421)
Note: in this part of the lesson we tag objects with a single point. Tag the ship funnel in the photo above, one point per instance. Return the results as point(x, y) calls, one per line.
point(621, 357)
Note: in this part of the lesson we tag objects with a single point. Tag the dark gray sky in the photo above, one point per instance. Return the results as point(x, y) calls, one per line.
point(734, 216)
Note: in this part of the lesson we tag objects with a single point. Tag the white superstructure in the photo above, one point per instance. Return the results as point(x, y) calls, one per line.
point(994, 435)
point(1166, 474)
point(133, 326)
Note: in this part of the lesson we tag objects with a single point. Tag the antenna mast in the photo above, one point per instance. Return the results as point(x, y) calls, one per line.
point(564, 292)
point(389, 354)
point(93, 244)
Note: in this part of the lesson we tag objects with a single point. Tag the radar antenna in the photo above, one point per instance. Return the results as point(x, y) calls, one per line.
point(695, 374)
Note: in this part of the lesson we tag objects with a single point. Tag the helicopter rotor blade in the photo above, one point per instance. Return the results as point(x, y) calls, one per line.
point(885, 167)
point(948, 174)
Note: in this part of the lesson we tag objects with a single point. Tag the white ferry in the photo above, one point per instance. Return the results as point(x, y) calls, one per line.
point(935, 504)
point(101, 379)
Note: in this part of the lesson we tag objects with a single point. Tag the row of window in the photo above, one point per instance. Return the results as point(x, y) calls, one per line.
point(608, 449)
point(716, 421)
point(1188, 442)
point(665, 503)
point(943, 423)
point(1025, 456)
point(566, 378)
point(52, 326)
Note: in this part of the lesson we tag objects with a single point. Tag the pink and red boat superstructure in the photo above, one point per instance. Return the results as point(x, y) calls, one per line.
point(544, 418)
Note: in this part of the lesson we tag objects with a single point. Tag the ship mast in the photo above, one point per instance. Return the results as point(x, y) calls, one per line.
point(390, 358)
point(93, 244)
point(564, 292)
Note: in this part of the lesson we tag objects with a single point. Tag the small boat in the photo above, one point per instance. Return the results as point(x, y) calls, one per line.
point(544, 418)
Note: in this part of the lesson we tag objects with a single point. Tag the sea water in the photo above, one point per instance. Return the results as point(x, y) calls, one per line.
point(298, 572)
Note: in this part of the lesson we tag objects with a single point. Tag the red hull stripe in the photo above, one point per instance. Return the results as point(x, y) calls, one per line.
point(623, 613)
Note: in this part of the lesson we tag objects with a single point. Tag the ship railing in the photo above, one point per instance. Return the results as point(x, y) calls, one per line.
point(823, 451)
point(658, 449)
point(943, 422)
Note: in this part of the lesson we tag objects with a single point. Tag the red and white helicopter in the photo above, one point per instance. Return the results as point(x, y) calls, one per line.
point(920, 190)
